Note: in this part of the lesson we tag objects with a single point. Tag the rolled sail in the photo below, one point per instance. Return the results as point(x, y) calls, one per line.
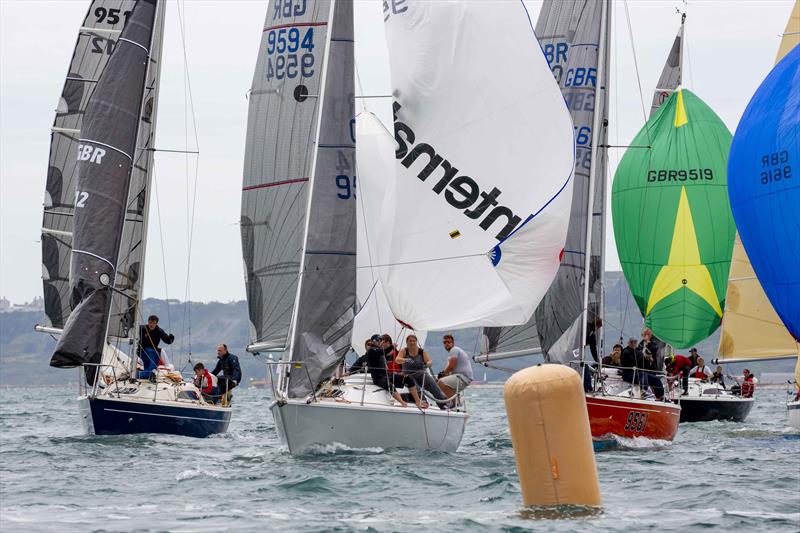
point(672, 220)
point(764, 167)
point(477, 208)
point(105, 153)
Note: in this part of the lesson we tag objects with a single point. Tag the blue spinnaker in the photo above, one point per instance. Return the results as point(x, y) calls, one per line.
point(764, 186)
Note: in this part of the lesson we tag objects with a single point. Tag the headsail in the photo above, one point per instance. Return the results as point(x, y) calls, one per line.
point(672, 220)
point(672, 74)
point(569, 33)
point(375, 315)
point(764, 160)
point(106, 153)
point(298, 200)
point(750, 327)
point(475, 171)
point(96, 41)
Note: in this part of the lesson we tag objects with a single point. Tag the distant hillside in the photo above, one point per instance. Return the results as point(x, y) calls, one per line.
point(25, 354)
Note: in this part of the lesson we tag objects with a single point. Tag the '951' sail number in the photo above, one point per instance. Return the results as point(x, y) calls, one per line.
point(637, 421)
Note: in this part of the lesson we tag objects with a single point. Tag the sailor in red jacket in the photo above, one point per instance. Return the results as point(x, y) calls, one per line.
point(206, 382)
point(679, 365)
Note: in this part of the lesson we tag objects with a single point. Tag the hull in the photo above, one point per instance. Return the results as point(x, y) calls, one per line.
point(614, 416)
point(733, 408)
point(794, 414)
point(111, 416)
point(304, 425)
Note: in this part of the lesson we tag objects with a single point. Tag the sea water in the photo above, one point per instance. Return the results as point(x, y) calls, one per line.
point(716, 475)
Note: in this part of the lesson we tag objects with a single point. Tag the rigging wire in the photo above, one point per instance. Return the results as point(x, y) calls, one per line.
point(163, 253)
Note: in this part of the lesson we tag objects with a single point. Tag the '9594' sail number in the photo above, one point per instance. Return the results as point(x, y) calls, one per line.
point(290, 52)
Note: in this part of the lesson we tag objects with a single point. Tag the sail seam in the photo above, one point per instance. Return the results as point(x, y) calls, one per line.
point(107, 146)
point(74, 251)
point(296, 25)
point(274, 184)
point(137, 44)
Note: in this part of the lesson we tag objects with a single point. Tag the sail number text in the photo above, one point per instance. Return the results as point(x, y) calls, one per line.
point(289, 54)
point(775, 167)
point(692, 174)
point(110, 16)
point(637, 421)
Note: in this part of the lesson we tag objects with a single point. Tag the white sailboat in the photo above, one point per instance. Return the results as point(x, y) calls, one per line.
point(445, 259)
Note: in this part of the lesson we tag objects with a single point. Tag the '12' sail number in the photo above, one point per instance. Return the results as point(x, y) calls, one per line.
point(286, 47)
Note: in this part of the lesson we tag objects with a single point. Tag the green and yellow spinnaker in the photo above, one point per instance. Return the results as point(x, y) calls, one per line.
point(672, 219)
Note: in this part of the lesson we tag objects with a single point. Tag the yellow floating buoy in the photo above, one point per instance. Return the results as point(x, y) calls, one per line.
point(552, 440)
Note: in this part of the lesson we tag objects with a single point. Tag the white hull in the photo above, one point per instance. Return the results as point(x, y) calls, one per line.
point(302, 426)
point(358, 414)
point(794, 414)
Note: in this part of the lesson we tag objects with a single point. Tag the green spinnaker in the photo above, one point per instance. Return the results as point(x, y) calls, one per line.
point(672, 219)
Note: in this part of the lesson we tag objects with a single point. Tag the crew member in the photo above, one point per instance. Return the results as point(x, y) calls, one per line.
point(228, 364)
point(206, 382)
point(457, 375)
point(678, 365)
point(150, 336)
point(701, 371)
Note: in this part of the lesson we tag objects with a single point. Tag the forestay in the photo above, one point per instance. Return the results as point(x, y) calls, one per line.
point(298, 206)
point(106, 153)
point(476, 213)
point(96, 41)
point(569, 34)
point(375, 315)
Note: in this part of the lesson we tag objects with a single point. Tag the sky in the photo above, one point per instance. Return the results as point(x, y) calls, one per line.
point(730, 48)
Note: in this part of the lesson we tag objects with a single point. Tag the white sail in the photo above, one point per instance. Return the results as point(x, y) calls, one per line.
point(374, 170)
point(484, 150)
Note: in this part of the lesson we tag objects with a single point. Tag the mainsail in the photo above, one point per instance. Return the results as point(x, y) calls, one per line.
point(750, 327)
point(96, 41)
point(672, 73)
point(764, 161)
point(106, 151)
point(672, 220)
point(570, 34)
point(476, 170)
point(298, 202)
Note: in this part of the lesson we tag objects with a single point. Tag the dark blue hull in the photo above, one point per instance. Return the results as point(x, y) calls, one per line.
point(119, 417)
point(707, 409)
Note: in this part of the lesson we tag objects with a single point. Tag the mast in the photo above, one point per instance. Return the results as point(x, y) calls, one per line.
point(159, 25)
point(597, 124)
point(284, 383)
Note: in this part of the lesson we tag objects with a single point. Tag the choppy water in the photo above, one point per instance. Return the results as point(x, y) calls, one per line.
point(727, 476)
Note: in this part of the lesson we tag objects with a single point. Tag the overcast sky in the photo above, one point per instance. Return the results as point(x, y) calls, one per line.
point(730, 48)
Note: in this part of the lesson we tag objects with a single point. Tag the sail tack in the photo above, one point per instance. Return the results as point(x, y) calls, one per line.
point(475, 173)
point(106, 151)
point(672, 220)
point(764, 160)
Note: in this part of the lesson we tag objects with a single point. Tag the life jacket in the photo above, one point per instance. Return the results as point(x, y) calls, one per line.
point(208, 379)
point(700, 374)
point(391, 366)
point(748, 387)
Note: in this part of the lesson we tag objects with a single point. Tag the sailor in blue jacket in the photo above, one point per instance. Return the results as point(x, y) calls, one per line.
point(231, 372)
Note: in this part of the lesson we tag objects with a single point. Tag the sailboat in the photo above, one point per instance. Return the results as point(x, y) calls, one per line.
point(441, 265)
point(575, 38)
point(95, 221)
point(761, 318)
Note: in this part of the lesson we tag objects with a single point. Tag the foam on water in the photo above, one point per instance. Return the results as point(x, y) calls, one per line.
point(720, 475)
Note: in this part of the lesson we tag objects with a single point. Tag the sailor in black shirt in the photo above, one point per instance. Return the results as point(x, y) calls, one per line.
point(228, 364)
point(150, 336)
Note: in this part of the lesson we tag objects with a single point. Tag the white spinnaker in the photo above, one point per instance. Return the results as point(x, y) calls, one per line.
point(375, 167)
point(470, 80)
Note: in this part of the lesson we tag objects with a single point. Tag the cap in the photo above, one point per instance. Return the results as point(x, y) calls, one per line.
point(693, 350)
point(375, 338)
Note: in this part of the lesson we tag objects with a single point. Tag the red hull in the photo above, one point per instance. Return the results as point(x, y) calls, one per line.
point(628, 417)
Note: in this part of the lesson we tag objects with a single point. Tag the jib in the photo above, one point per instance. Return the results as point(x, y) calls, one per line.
point(91, 153)
point(289, 8)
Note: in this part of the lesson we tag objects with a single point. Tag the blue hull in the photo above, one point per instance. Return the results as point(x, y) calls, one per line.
point(119, 417)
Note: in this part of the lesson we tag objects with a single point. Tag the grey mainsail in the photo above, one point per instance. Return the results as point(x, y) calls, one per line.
point(97, 38)
point(671, 75)
point(106, 150)
point(298, 202)
point(569, 33)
